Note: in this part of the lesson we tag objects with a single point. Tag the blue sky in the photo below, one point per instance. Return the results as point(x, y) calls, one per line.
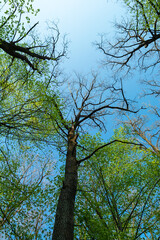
point(82, 21)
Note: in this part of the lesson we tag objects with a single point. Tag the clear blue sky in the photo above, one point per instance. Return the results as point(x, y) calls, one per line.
point(82, 20)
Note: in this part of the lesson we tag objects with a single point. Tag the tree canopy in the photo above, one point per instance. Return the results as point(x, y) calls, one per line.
point(99, 188)
point(118, 192)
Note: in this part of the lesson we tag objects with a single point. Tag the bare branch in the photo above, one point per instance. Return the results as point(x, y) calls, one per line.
point(107, 144)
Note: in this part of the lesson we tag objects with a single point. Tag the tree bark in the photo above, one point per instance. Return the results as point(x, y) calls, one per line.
point(64, 220)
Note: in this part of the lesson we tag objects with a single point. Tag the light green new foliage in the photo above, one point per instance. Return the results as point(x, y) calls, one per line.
point(14, 16)
point(27, 109)
point(26, 102)
point(27, 119)
point(145, 13)
point(26, 192)
point(118, 191)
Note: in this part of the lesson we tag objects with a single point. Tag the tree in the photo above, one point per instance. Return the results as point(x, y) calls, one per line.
point(91, 103)
point(27, 86)
point(26, 76)
point(18, 42)
point(118, 191)
point(140, 38)
point(137, 37)
point(25, 191)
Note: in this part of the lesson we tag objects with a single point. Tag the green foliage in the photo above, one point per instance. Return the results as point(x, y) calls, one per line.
point(145, 13)
point(26, 102)
point(26, 192)
point(29, 105)
point(118, 191)
point(12, 12)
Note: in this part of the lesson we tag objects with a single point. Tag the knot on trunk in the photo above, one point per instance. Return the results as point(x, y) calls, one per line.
point(72, 136)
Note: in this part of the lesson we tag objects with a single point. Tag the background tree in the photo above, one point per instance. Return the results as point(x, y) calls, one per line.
point(118, 191)
point(23, 90)
point(28, 89)
point(26, 192)
point(137, 37)
point(19, 42)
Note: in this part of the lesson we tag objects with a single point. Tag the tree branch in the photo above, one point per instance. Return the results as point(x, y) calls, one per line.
point(105, 145)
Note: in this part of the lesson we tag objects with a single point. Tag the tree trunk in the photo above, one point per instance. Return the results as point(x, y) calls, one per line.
point(64, 220)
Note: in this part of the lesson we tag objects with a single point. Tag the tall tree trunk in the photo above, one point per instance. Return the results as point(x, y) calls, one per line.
point(64, 220)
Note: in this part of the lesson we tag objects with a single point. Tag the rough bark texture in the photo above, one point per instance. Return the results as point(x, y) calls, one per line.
point(64, 220)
